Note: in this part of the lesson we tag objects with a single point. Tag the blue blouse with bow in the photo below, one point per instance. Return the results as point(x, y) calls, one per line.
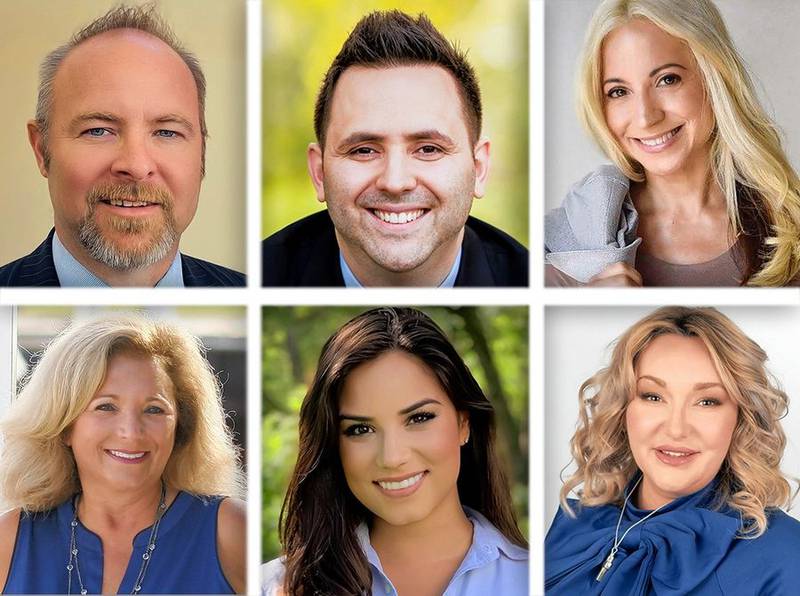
point(685, 548)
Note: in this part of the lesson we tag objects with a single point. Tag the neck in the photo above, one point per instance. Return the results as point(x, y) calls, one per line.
point(107, 511)
point(141, 277)
point(430, 273)
point(687, 193)
point(445, 533)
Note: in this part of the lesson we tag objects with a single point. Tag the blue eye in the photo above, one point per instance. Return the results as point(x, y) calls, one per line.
point(96, 132)
point(167, 134)
point(154, 410)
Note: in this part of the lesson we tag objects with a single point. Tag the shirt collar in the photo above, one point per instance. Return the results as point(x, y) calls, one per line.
point(72, 274)
point(351, 281)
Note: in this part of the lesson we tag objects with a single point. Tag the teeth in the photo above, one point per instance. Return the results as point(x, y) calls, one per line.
point(675, 453)
point(398, 218)
point(403, 484)
point(127, 455)
point(123, 203)
point(660, 140)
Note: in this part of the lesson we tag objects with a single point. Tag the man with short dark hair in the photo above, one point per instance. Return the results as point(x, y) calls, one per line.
point(398, 161)
point(120, 136)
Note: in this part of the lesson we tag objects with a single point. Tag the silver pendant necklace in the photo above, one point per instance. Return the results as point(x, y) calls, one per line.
point(617, 541)
point(73, 565)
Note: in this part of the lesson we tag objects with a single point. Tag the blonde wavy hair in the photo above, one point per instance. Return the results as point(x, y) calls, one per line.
point(37, 469)
point(750, 479)
point(747, 158)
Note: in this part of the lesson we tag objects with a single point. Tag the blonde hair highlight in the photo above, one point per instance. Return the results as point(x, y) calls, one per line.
point(746, 149)
point(38, 470)
point(750, 479)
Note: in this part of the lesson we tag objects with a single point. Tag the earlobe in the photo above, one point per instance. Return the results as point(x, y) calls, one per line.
point(481, 156)
point(36, 140)
point(316, 170)
point(463, 428)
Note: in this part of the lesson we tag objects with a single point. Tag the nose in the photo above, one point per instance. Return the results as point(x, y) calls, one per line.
point(396, 176)
point(648, 110)
point(393, 451)
point(677, 423)
point(134, 160)
point(129, 425)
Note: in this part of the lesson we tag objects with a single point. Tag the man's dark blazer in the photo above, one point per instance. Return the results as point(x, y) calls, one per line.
point(38, 269)
point(305, 253)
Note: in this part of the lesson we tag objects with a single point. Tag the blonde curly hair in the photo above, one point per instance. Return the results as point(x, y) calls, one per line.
point(38, 470)
point(747, 159)
point(750, 479)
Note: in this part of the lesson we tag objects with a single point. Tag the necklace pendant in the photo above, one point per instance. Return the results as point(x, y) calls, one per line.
point(606, 566)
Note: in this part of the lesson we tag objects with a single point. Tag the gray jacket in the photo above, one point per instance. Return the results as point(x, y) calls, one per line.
point(595, 226)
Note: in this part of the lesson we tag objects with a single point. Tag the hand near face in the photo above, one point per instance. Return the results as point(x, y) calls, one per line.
point(618, 275)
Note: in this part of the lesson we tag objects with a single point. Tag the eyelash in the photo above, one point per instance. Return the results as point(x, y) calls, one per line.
point(655, 398)
point(618, 92)
point(171, 134)
point(109, 407)
point(359, 429)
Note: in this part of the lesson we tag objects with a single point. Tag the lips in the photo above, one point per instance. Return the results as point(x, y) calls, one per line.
point(401, 486)
point(398, 217)
point(127, 457)
point(659, 142)
point(675, 456)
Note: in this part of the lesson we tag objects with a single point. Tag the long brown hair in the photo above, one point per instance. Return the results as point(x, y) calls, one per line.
point(320, 515)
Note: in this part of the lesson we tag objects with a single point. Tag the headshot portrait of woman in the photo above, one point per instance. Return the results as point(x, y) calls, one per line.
point(118, 473)
point(700, 191)
point(679, 467)
point(398, 486)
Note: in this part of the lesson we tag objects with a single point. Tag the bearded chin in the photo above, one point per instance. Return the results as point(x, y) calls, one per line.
point(156, 239)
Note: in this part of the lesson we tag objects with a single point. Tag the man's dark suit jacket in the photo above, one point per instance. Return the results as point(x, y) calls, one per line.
point(38, 269)
point(305, 253)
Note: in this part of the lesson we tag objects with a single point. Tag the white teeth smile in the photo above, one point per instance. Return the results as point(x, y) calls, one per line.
point(676, 453)
point(124, 455)
point(660, 140)
point(403, 484)
point(398, 218)
point(123, 203)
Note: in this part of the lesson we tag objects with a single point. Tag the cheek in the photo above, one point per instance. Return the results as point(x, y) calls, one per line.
point(616, 119)
point(639, 426)
point(356, 460)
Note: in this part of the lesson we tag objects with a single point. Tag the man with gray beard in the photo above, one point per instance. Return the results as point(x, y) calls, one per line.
point(120, 135)
point(398, 161)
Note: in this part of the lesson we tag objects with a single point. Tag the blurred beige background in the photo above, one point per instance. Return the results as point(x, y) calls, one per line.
point(214, 30)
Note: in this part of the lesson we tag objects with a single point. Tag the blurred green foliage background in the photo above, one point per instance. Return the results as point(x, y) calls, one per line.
point(493, 341)
point(301, 38)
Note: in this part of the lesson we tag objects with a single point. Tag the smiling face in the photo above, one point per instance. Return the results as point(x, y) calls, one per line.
point(400, 440)
point(680, 420)
point(398, 171)
point(124, 438)
point(654, 99)
point(123, 152)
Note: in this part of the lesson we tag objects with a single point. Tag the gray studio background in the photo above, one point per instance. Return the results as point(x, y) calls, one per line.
point(765, 33)
point(577, 342)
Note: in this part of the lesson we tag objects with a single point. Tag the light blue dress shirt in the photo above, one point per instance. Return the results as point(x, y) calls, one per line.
point(351, 281)
point(493, 565)
point(72, 274)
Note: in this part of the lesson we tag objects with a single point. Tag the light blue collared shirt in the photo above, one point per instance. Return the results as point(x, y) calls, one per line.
point(493, 565)
point(72, 274)
point(351, 281)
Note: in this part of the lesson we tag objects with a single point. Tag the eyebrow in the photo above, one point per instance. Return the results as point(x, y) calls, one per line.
point(697, 386)
point(403, 412)
point(366, 137)
point(114, 119)
point(652, 72)
point(155, 397)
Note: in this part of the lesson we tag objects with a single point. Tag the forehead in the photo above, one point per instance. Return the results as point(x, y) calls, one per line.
point(677, 358)
point(138, 374)
point(128, 73)
point(638, 45)
point(396, 101)
point(388, 384)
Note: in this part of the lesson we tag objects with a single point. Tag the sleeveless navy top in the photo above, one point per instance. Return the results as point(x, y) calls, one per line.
point(184, 561)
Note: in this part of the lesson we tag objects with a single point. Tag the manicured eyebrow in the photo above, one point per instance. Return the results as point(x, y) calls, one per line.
point(655, 380)
point(403, 412)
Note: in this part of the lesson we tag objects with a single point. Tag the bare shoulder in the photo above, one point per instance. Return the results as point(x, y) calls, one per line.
point(9, 522)
point(232, 541)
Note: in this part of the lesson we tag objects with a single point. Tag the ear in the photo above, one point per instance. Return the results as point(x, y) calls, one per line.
point(463, 428)
point(316, 170)
point(36, 140)
point(66, 437)
point(481, 156)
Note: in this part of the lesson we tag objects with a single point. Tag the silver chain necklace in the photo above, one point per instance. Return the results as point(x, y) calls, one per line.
point(617, 541)
point(72, 564)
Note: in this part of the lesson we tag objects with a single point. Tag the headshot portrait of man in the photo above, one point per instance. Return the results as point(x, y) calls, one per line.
point(399, 158)
point(119, 134)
